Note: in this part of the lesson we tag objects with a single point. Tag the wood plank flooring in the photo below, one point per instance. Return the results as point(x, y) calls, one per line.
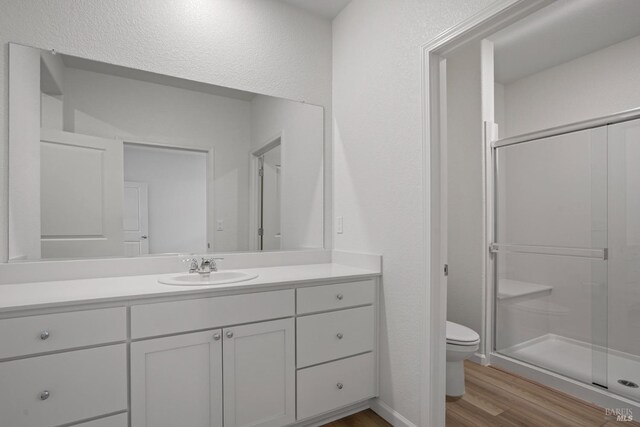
point(497, 398)
point(366, 418)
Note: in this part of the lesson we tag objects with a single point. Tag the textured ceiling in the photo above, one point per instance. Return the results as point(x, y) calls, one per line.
point(565, 30)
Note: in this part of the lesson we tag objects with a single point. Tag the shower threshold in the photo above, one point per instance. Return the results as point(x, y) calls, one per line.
point(572, 358)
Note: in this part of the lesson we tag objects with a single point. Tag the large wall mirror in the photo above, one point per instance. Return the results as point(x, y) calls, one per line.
point(108, 161)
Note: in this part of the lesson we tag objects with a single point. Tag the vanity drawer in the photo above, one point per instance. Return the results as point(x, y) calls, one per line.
point(120, 420)
point(333, 385)
point(329, 336)
point(331, 297)
point(81, 384)
point(191, 315)
point(38, 334)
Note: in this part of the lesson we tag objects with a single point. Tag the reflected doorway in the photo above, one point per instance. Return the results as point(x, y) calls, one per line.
point(269, 194)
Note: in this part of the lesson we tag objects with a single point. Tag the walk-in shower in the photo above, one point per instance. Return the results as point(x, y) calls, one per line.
point(566, 252)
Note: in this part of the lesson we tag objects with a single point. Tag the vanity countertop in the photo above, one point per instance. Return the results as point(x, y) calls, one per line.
point(39, 295)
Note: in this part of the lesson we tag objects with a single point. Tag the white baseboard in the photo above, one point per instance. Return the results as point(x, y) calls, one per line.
point(389, 414)
point(480, 359)
point(332, 416)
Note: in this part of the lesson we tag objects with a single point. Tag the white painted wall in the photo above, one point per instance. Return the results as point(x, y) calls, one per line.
point(378, 167)
point(300, 128)
point(262, 46)
point(465, 181)
point(177, 187)
point(498, 97)
point(109, 106)
point(598, 84)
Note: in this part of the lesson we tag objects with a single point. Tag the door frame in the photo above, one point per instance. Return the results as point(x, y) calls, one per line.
point(254, 186)
point(434, 152)
point(210, 180)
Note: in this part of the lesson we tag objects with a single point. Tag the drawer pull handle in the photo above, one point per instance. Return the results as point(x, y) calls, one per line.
point(44, 335)
point(340, 296)
point(339, 385)
point(229, 334)
point(44, 395)
point(216, 337)
point(339, 335)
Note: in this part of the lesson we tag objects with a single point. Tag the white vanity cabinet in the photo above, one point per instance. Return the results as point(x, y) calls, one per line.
point(336, 346)
point(259, 374)
point(291, 355)
point(74, 383)
point(177, 381)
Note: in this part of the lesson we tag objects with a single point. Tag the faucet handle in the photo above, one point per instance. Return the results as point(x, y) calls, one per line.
point(193, 264)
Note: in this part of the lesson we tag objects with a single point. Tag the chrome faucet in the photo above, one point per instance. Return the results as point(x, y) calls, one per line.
point(204, 266)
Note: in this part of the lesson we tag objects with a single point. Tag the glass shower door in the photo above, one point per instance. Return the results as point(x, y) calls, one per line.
point(624, 259)
point(550, 253)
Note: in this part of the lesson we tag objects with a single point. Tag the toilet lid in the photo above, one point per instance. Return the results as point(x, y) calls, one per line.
point(461, 334)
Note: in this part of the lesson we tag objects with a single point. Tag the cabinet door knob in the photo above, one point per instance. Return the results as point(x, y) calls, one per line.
point(44, 335)
point(339, 385)
point(339, 335)
point(44, 395)
point(340, 296)
point(229, 334)
point(216, 337)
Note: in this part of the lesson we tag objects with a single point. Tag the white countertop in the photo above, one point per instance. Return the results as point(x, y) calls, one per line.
point(38, 295)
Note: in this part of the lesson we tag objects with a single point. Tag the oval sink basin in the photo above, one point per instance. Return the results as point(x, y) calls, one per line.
point(213, 278)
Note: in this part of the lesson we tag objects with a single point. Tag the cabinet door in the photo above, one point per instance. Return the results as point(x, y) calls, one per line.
point(259, 374)
point(177, 381)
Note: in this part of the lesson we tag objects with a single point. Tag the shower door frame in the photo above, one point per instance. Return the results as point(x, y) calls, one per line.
point(582, 390)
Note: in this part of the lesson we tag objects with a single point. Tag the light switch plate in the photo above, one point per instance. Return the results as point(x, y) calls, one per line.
point(339, 225)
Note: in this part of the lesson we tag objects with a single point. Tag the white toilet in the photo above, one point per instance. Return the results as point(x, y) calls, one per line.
point(462, 342)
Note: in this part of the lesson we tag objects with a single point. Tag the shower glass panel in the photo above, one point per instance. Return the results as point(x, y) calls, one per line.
point(624, 258)
point(550, 252)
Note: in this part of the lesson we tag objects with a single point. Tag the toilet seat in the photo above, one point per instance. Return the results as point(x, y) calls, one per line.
point(461, 335)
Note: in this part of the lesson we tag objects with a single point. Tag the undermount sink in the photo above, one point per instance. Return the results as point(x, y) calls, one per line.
point(213, 278)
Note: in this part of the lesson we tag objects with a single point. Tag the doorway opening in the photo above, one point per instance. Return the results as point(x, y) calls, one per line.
point(267, 163)
point(165, 199)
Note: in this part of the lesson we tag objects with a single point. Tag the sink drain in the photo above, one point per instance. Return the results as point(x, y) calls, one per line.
point(628, 383)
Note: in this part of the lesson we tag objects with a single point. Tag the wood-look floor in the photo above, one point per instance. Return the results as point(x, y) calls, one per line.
point(497, 398)
point(361, 419)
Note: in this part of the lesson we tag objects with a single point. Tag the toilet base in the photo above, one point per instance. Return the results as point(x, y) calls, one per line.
point(455, 378)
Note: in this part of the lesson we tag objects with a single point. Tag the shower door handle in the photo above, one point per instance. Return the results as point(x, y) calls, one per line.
point(601, 254)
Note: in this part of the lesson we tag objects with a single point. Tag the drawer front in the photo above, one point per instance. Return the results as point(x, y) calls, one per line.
point(80, 384)
point(330, 336)
point(120, 420)
point(51, 332)
point(331, 297)
point(333, 385)
point(190, 315)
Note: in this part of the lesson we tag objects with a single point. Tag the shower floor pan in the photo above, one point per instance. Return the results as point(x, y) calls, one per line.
point(572, 358)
